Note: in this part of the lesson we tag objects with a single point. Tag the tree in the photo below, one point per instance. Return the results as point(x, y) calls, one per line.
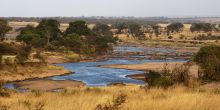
point(102, 38)
point(102, 29)
point(174, 27)
point(23, 53)
point(4, 28)
point(49, 28)
point(78, 27)
point(73, 42)
point(78, 44)
point(31, 36)
point(156, 29)
point(135, 30)
point(120, 26)
point(206, 27)
point(208, 58)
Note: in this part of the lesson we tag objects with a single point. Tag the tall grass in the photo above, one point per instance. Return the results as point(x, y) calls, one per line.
point(136, 98)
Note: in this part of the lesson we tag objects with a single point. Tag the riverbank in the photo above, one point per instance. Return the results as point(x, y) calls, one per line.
point(29, 72)
point(48, 84)
point(154, 66)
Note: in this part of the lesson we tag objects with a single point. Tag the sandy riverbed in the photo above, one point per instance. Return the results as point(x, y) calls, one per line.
point(48, 85)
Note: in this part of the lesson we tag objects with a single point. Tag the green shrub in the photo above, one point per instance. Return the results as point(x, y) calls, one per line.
point(167, 77)
point(164, 82)
point(208, 58)
point(23, 53)
point(181, 73)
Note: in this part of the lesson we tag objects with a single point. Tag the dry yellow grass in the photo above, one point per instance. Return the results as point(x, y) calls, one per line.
point(176, 98)
point(23, 73)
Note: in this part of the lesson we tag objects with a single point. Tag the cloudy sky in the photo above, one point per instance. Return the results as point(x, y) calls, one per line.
point(138, 8)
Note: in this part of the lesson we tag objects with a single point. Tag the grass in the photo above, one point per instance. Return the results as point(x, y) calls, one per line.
point(175, 98)
point(72, 57)
point(31, 72)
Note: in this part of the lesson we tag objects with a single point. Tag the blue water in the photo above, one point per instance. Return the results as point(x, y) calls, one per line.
point(125, 49)
point(93, 75)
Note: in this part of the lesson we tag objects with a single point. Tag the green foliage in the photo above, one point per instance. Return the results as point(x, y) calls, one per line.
point(135, 30)
point(31, 36)
point(46, 32)
point(156, 29)
point(8, 49)
point(181, 74)
point(120, 26)
point(23, 53)
point(208, 58)
point(78, 27)
point(49, 29)
point(4, 28)
point(78, 37)
point(206, 27)
point(167, 77)
point(102, 38)
point(73, 42)
point(207, 37)
point(174, 27)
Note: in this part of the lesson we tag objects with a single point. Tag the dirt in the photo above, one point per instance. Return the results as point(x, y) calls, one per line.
point(48, 85)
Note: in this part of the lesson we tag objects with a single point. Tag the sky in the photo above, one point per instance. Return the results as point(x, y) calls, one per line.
point(117, 8)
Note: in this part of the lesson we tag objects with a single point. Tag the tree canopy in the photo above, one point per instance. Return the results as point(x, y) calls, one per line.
point(120, 26)
point(78, 27)
point(174, 27)
point(49, 29)
point(135, 30)
point(197, 27)
point(4, 28)
point(208, 58)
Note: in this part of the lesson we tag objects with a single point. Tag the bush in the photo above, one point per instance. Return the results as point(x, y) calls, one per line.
point(181, 73)
point(208, 37)
point(166, 77)
point(50, 47)
point(208, 58)
point(39, 56)
point(170, 37)
point(155, 79)
point(23, 54)
point(164, 82)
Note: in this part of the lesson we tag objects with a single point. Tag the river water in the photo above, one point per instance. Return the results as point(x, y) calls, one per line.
point(93, 75)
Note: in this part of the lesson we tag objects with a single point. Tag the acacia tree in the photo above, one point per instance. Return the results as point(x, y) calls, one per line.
point(49, 28)
point(135, 30)
point(198, 27)
point(78, 27)
point(120, 26)
point(102, 38)
point(4, 28)
point(208, 58)
point(174, 27)
point(156, 29)
point(32, 36)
